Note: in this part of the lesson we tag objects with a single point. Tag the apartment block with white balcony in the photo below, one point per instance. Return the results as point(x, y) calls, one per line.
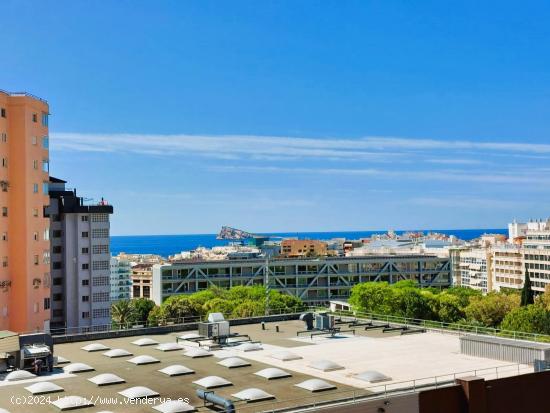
point(121, 283)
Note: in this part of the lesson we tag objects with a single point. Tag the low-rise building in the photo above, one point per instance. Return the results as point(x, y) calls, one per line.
point(142, 280)
point(293, 248)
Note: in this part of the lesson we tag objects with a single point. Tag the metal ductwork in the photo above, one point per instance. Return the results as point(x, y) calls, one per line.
point(213, 398)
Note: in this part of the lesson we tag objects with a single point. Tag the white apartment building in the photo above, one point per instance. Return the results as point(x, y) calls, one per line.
point(536, 255)
point(80, 261)
point(474, 266)
point(121, 283)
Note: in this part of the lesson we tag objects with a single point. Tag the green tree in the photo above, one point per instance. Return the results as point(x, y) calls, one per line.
point(405, 301)
point(123, 312)
point(373, 297)
point(464, 294)
point(491, 309)
point(142, 307)
point(449, 309)
point(531, 318)
point(527, 295)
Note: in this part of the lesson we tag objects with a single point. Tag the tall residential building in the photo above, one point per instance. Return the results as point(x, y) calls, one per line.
point(121, 283)
point(536, 255)
point(507, 266)
point(475, 269)
point(24, 235)
point(80, 243)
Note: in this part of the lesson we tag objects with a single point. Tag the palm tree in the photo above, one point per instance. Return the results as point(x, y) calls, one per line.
point(123, 312)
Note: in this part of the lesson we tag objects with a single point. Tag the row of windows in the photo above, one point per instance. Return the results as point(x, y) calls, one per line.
point(100, 265)
point(101, 313)
point(100, 218)
point(100, 233)
point(101, 297)
point(100, 249)
point(101, 281)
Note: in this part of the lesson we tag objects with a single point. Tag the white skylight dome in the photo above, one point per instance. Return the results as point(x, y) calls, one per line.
point(19, 375)
point(197, 352)
point(253, 395)
point(144, 359)
point(176, 370)
point(273, 373)
point(189, 336)
point(372, 376)
point(95, 347)
point(174, 406)
point(233, 362)
point(315, 385)
point(325, 365)
point(169, 347)
point(62, 360)
point(145, 341)
point(77, 368)
point(3, 410)
point(249, 347)
point(212, 382)
point(72, 402)
point(286, 356)
point(44, 387)
point(117, 352)
point(105, 379)
point(138, 392)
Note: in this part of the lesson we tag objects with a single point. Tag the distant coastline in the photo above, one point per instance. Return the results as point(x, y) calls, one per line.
point(166, 245)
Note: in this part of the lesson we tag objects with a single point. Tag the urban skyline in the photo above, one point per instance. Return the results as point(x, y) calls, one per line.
point(340, 120)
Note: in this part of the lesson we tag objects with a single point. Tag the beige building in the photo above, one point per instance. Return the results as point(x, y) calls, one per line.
point(294, 248)
point(507, 266)
point(142, 281)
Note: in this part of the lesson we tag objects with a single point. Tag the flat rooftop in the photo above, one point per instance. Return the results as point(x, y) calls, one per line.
point(402, 358)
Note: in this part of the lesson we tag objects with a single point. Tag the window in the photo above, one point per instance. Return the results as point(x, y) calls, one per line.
point(34, 140)
point(101, 313)
point(57, 265)
point(85, 250)
point(35, 212)
point(85, 266)
point(4, 236)
point(44, 119)
point(45, 165)
point(46, 257)
point(100, 281)
point(85, 314)
point(85, 234)
point(57, 280)
point(46, 234)
point(57, 233)
point(57, 313)
point(35, 188)
point(57, 249)
point(100, 233)
point(3, 112)
point(35, 164)
point(100, 249)
point(46, 303)
point(85, 298)
point(4, 211)
point(4, 137)
point(35, 236)
point(4, 261)
point(101, 297)
point(57, 297)
point(5, 162)
point(84, 218)
point(85, 282)
point(36, 260)
point(45, 188)
point(100, 217)
point(100, 265)
point(34, 117)
point(45, 142)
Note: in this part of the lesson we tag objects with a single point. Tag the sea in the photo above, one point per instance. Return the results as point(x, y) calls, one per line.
point(166, 245)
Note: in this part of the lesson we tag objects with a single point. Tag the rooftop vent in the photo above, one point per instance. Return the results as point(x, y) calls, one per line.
point(146, 341)
point(325, 365)
point(372, 376)
point(117, 352)
point(197, 352)
point(249, 347)
point(315, 385)
point(138, 392)
point(19, 375)
point(106, 378)
point(215, 317)
point(286, 356)
point(43, 387)
point(95, 347)
point(61, 360)
point(169, 347)
point(253, 395)
point(211, 382)
point(144, 359)
point(233, 362)
point(176, 370)
point(175, 406)
point(273, 373)
point(189, 336)
point(72, 402)
point(77, 368)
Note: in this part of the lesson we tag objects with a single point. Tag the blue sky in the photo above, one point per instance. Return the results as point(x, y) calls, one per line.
point(292, 115)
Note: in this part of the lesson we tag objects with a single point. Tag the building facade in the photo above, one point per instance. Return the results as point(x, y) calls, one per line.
point(24, 234)
point(121, 282)
point(142, 280)
point(303, 248)
point(536, 255)
point(316, 281)
point(80, 261)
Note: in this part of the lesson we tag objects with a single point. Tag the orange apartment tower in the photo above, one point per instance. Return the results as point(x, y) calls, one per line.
point(24, 231)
